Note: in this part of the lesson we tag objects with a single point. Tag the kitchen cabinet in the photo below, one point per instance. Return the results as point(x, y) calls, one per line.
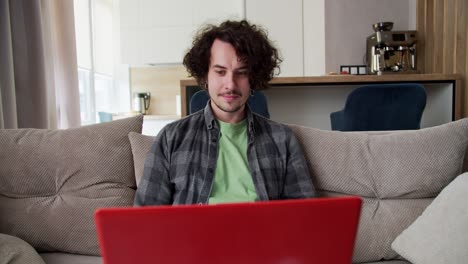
point(160, 31)
point(297, 27)
point(283, 21)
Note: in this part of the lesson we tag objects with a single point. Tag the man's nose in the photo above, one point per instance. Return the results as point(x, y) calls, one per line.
point(230, 81)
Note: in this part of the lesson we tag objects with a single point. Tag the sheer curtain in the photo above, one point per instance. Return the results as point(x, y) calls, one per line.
point(38, 71)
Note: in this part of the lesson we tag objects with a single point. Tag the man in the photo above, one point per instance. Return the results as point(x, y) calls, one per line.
point(226, 153)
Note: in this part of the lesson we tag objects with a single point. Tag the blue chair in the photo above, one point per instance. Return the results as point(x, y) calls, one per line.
point(381, 107)
point(104, 117)
point(257, 102)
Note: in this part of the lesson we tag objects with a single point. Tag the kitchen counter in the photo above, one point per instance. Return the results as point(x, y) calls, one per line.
point(310, 100)
point(152, 124)
point(161, 117)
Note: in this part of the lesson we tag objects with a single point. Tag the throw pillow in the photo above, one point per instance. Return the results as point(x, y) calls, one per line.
point(439, 235)
point(52, 181)
point(397, 173)
point(141, 145)
point(16, 250)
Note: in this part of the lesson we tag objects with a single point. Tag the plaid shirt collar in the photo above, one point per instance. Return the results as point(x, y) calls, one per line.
point(210, 120)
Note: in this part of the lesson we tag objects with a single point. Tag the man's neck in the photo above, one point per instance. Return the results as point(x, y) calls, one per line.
point(228, 117)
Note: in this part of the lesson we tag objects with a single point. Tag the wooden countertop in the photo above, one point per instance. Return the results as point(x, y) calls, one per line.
point(337, 79)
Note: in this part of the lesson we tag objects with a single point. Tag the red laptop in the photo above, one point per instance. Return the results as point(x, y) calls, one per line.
point(321, 230)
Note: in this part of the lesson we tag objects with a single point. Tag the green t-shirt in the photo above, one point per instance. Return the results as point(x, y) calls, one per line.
point(232, 182)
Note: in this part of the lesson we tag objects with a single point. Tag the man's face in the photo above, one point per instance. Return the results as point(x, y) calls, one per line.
point(228, 81)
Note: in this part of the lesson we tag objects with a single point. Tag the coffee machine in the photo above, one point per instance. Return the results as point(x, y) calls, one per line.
point(141, 102)
point(391, 51)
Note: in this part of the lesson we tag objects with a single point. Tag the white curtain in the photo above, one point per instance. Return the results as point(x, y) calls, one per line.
point(38, 71)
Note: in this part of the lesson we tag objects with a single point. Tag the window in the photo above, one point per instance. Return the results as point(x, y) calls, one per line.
point(101, 90)
point(86, 100)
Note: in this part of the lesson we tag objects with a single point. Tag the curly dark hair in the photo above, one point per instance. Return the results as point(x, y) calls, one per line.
point(251, 44)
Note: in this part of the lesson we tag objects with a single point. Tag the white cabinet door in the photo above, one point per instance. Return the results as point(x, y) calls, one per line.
point(216, 11)
point(314, 37)
point(161, 31)
point(165, 45)
point(284, 23)
point(130, 21)
point(164, 13)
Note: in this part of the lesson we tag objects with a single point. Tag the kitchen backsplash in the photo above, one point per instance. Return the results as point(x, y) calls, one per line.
point(163, 82)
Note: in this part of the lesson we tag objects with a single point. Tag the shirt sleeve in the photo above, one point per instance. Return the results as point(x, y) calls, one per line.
point(298, 182)
point(155, 187)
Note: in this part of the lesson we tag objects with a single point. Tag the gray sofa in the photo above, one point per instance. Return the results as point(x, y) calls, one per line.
point(52, 181)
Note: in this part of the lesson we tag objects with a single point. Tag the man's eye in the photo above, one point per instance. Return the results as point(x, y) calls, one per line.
point(242, 73)
point(220, 72)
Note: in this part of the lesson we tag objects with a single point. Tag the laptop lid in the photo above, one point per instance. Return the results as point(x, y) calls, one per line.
point(321, 230)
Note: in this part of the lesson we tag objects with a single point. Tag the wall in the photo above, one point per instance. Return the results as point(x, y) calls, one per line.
point(314, 37)
point(348, 23)
point(163, 84)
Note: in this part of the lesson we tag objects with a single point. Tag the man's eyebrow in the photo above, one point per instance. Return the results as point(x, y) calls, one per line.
point(219, 66)
point(243, 68)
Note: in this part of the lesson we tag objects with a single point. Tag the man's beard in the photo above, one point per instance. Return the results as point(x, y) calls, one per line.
point(224, 109)
point(228, 110)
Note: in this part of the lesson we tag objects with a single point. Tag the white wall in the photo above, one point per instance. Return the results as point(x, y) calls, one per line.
point(314, 37)
point(412, 15)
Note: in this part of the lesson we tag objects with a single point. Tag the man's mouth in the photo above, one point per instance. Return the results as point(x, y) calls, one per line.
point(230, 97)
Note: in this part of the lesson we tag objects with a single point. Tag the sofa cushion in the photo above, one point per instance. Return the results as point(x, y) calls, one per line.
point(396, 173)
point(15, 250)
point(141, 145)
point(439, 235)
point(383, 262)
point(52, 181)
point(64, 258)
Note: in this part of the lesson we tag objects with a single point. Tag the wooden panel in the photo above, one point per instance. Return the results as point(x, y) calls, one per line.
point(449, 36)
point(429, 41)
point(461, 46)
point(421, 26)
point(461, 57)
point(438, 36)
point(442, 26)
point(459, 99)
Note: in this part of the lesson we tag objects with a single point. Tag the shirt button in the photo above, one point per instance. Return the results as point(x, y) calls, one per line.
point(210, 170)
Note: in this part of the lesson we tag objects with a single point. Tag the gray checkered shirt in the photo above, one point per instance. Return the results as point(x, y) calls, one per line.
point(180, 167)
